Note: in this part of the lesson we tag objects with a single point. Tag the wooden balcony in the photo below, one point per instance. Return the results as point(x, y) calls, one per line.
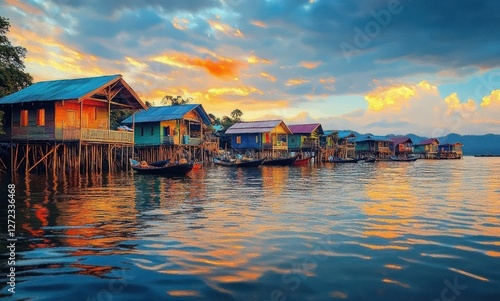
point(279, 145)
point(96, 135)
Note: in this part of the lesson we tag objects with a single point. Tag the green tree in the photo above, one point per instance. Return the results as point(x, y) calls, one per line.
point(12, 75)
point(236, 115)
point(175, 101)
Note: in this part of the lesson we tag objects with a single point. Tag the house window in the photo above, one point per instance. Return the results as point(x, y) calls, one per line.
point(152, 131)
point(166, 131)
point(238, 139)
point(24, 118)
point(256, 138)
point(94, 113)
point(40, 117)
point(142, 131)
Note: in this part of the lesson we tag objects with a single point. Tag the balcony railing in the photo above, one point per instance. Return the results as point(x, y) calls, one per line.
point(95, 135)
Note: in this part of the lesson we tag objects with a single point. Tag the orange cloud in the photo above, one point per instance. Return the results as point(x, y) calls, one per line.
point(258, 23)
point(493, 98)
point(454, 105)
point(296, 81)
point(181, 24)
point(268, 76)
point(221, 68)
point(309, 65)
point(226, 29)
point(240, 91)
point(29, 9)
point(136, 63)
point(390, 97)
point(255, 60)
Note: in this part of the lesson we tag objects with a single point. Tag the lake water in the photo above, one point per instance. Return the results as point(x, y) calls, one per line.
point(426, 230)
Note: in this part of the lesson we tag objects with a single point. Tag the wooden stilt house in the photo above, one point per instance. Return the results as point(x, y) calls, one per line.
point(450, 150)
point(64, 125)
point(304, 137)
point(401, 146)
point(267, 137)
point(427, 149)
point(172, 132)
point(373, 146)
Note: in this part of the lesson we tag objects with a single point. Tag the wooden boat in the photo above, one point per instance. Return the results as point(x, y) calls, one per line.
point(403, 159)
point(302, 161)
point(197, 165)
point(370, 160)
point(342, 160)
point(165, 169)
point(239, 163)
point(280, 161)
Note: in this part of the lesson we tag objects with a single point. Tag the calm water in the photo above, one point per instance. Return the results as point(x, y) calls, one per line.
point(428, 230)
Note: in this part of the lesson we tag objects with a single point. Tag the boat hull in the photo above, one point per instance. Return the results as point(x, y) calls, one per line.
point(178, 169)
point(280, 162)
point(300, 162)
point(250, 163)
point(403, 159)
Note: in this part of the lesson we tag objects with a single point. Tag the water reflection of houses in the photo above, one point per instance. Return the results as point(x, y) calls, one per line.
point(65, 125)
point(172, 132)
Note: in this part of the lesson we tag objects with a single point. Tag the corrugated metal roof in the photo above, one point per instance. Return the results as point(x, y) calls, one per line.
point(255, 127)
point(427, 141)
point(305, 128)
point(372, 138)
point(65, 89)
point(346, 134)
point(164, 113)
point(399, 140)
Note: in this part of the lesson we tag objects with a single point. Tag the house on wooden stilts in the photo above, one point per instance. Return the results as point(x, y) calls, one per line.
point(427, 149)
point(64, 125)
point(268, 138)
point(304, 137)
point(172, 132)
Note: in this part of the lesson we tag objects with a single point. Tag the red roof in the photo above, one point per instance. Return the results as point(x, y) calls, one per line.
point(305, 128)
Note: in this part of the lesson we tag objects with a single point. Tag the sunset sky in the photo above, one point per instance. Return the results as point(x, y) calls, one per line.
point(426, 67)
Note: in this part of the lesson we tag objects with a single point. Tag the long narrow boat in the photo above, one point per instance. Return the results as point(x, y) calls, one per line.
point(239, 163)
point(280, 161)
point(403, 159)
point(342, 160)
point(167, 169)
point(302, 161)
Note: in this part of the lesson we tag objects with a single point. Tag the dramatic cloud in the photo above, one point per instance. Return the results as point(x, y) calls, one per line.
point(355, 65)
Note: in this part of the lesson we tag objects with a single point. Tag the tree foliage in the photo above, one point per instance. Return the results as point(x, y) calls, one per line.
point(227, 121)
point(12, 75)
point(175, 101)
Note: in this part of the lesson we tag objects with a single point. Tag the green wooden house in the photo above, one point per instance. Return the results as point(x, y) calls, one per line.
point(169, 125)
point(304, 136)
point(427, 148)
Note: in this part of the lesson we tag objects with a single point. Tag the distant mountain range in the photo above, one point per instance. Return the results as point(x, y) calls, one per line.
point(473, 144)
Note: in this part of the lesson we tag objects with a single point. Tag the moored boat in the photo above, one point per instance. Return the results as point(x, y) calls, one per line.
point(403, 159)
point(280, 161)
point(302, 161)
point(239, 162)
point(342, 160)
point(370, 160)
point(166, 169)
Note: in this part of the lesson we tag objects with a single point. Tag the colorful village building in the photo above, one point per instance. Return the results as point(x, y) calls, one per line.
point(304, 137)
point(172, 132)
point(450, 150)
point(268, 137)
point(64, 125)
point(427, 149)
point(401, 146)
point(338, 144)
point(373, 146)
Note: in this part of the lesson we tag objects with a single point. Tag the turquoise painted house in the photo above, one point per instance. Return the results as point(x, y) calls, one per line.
point(169, 125)
point(304, 136)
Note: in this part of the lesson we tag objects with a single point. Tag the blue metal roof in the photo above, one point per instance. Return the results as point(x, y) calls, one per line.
point(65, 89)
point(165, 113)
point(251, 127)
point(371, 138)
